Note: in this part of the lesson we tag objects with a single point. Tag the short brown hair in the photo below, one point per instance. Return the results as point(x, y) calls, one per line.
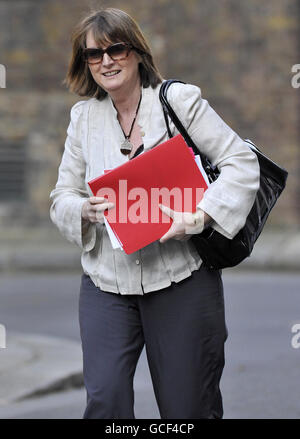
point(108, 25)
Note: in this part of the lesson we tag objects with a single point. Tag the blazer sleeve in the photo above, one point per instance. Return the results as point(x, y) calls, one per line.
point(70, 192)
point(229, 199)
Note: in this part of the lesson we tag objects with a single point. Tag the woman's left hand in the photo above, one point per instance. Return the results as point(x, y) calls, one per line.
point(184, 225)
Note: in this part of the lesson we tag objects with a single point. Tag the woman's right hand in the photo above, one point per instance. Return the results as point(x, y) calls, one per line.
point(93, 209)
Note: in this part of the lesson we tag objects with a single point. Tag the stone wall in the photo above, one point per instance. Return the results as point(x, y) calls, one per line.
point(240, 53)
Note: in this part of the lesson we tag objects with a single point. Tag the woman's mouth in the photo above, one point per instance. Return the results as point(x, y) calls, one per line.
point(112, 73)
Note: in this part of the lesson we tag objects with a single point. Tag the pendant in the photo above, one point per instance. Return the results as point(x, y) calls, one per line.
point(126, 147)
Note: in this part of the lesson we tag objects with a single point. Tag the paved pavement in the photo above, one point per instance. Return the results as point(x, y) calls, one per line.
point(38, 365)
point(34, 365)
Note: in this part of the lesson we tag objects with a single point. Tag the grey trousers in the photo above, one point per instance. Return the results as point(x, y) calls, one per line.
point(183, 329)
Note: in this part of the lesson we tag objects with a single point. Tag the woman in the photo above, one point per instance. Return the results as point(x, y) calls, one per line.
point(161, 296)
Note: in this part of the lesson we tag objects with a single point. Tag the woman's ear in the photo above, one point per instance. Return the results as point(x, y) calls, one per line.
point(139, 58)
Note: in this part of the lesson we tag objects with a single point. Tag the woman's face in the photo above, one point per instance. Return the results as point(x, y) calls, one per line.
point(127, 72)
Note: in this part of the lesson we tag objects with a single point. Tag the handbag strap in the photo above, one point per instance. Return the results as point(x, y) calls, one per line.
point(211, 171)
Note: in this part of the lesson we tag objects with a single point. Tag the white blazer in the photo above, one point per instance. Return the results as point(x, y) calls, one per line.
point(93, 144)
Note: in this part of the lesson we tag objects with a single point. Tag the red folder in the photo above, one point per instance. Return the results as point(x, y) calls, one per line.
point(166, 174)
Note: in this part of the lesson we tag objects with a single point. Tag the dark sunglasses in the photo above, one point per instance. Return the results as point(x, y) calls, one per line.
point(116, 52)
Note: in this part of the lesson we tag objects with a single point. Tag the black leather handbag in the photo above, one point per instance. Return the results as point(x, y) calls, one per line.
point(215, 250)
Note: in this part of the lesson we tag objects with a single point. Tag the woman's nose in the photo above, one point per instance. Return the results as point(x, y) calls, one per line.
point(107, 60)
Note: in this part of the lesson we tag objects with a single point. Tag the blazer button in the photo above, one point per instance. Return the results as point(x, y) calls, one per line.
point(142, 133)
point(137, 262)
